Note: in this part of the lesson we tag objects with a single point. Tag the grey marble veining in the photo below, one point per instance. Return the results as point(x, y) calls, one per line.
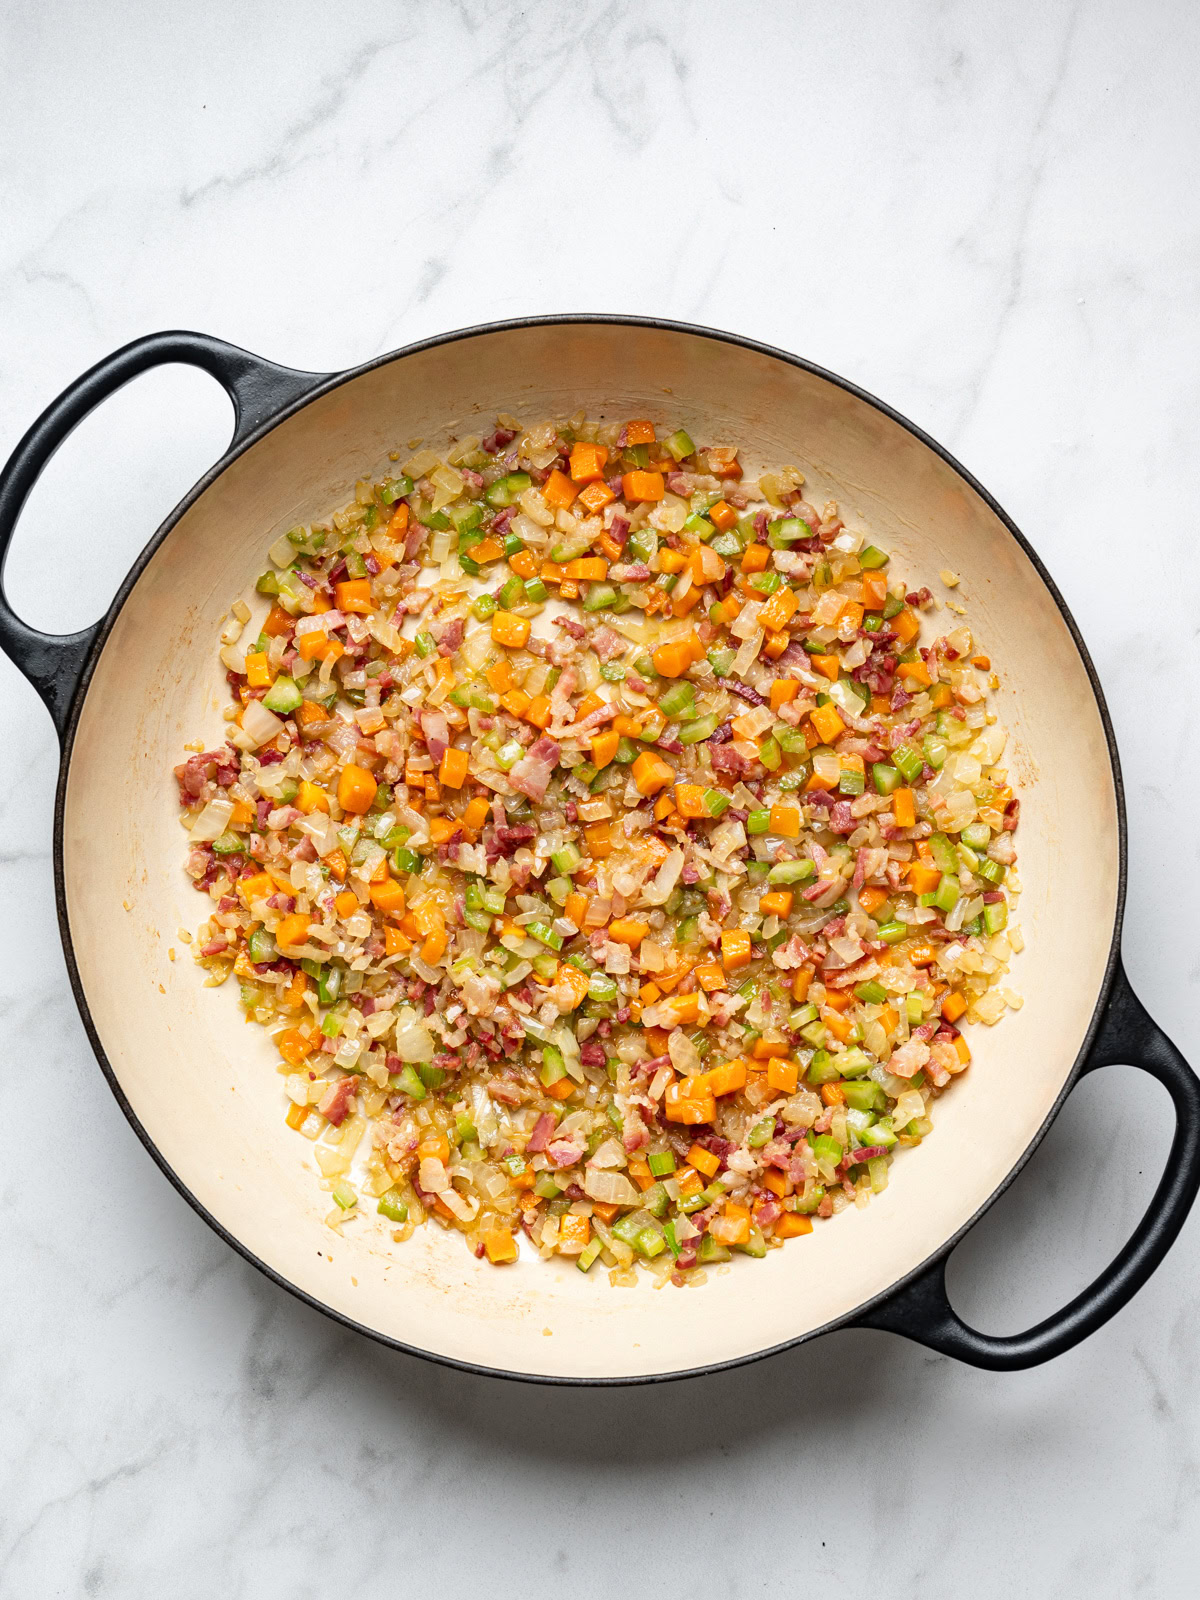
point(984, 214)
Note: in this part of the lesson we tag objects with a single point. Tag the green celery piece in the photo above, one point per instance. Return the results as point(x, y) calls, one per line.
point(792, 871)
point(825, 1147)
point(872, 557)
point(945, 896)
point(699, 730)
point(945, 856)
point(758, 821)
point(863, 1094)
point(995, 916)
point(589, 1255)
point(391, 1205)
point(600, 597)
point(716, 801)
point(885, 777)
point(680, 444)
point(408, 1082)
point(283, 696)
point(871, 993)
point(602, 988)
point(661, 1162)
point(822, 1068)
point(893, 932)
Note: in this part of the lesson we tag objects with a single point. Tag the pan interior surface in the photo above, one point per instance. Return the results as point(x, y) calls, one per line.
point(203, 1084)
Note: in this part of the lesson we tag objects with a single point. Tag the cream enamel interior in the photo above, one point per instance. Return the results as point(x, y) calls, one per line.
point(203, 1084)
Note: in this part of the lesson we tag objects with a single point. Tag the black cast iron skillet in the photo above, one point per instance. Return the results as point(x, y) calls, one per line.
point(272, 403)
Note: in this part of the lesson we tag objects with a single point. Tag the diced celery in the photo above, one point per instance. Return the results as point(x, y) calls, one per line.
point(716, 801)
point(283, 696)
point(408, 1082)
point(391, 1205)
point(758, 821)
point(863, 1094)
point(872, 557)
point(945, 896)
point(908, 761)
point(699, 730)
point(885, 777)
point(995, 916)
point(680, 445)
point(602, 988)
point(600, 597)
point(792, 871)
point(893, 932)
point(589, 1254)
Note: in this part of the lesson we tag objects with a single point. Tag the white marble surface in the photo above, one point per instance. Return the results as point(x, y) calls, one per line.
point(985, 214)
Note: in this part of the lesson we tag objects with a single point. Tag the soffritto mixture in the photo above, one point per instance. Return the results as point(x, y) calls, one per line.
point(641, 926)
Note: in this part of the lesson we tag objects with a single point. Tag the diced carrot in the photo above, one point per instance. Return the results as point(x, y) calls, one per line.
point(337, 864)
point(574, 1231)
point(672, 660)
point(398, 521)
point(782, 1076)
point(570, 980)
point(317, 646)
point(604, 747)
point(453, 770)
point(608, 547)
point(801, 983)
point(705, 565)
point(552, 572)
point(292, 930)
point(640, 432)
point(499, 675)
point(627, 727)
point(516, 701)
point(558, 490)
point(723, 516)
point(682, 605)
point(388, 897)
point(776, 904)
point(905, 626)
point(982, 662)
point(684, 1008)
point(710, 976)
point(904, 808)
point(689, 800)
point(704, 1161)
point(775, 645)
point(486, 550)
point(627, 930)
point(395, 943)
point(258, 671)
point(356, 789)
point(755, 558)
point(839, 999)
point(442, 829)
point(785, 821)
point(587, 569)
point(293, 995)
point(538, 711)
point(499, 1246)
point(575, 908)
point(595, 497)
point(940, 696)
point(524, 563)
point(779, 609)
point(921, 879)
point(598, 840)
point(639, 486)
point(649, 993)
point(836, 1023)
point(827, 666)
point(295, 1114)
point(651, 773)
point(962, 1049)
point(922, 955)
point(587, 461)
point(310, 712)
point(914, 672)
point(678, 1106)
point(792, 1225)
point(953, 1005)
point(310, 798)
point(833, 1094)
point(476, 814)
point(735, 949)
point(852, 615)
point(354, 595)
point(889, 1019)
point(671, 560)
point(293, 1046)
point(320, 602)
point(870, 899)
point(443, 671)
point(664, 807)
point(783, 690)
point(728, 1078)
point(278, 622)
point(874, 591)
point(510, 630)
point(434, 947)
point(828, 724)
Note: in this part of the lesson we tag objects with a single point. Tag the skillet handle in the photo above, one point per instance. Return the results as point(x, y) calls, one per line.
point(921, 1309)
point(54, 663)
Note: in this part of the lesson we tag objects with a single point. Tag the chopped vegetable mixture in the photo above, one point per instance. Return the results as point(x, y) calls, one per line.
point(615, 848)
